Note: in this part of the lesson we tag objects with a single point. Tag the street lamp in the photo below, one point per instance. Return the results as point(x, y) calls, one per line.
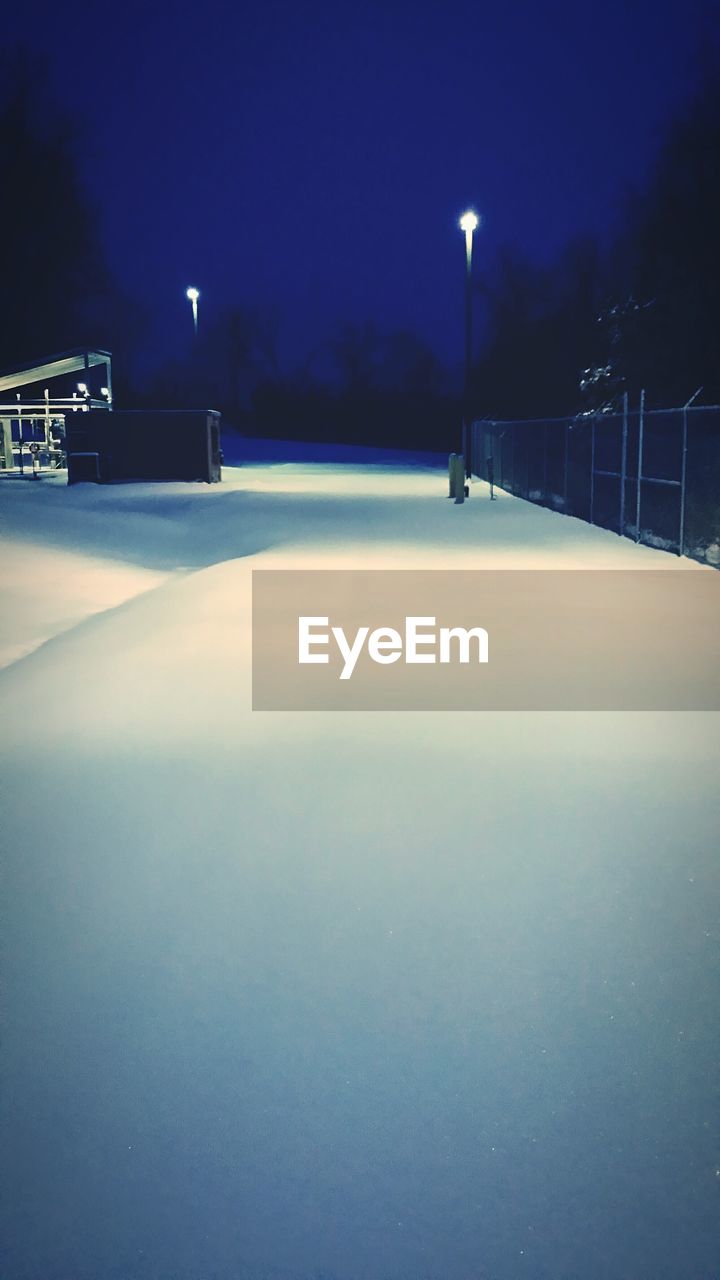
point(193, 295)
point(469, 223)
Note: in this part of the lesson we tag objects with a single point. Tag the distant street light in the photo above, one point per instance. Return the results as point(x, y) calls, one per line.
point(193, 295)
point(469, 223)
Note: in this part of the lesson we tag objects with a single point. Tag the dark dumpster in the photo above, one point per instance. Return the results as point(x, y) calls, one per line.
point(140, 444)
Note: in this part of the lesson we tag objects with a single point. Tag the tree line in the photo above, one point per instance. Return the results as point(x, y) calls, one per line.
point(642, 314)
point(562, 339)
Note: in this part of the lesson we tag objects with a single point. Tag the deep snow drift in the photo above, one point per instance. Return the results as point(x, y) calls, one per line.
point(381, 995)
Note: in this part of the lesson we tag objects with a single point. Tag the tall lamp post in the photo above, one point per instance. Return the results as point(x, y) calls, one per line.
point(193, 295)
point(469, 223)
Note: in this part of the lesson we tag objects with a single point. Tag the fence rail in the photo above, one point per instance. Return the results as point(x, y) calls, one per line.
point(652, 475)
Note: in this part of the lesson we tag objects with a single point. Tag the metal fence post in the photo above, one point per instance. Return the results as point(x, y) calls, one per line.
point(683, 475)
point(683, 472)
point(641, 428)
point(623, 464)
point(592, 472)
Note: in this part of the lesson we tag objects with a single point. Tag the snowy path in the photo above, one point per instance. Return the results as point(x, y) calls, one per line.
point(375, 995)
point(78, 552)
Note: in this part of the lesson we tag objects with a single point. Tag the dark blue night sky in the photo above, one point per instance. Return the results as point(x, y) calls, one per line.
point(314, 158)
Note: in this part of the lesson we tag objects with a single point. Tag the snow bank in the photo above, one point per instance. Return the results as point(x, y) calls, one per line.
point(388, 995)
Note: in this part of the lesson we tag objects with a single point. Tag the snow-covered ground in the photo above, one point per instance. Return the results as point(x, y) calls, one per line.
point(372, 996)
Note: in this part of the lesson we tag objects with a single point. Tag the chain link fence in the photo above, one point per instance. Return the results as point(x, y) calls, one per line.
point(651, 475)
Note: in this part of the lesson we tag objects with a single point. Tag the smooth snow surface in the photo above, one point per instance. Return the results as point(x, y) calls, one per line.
point(373, 996)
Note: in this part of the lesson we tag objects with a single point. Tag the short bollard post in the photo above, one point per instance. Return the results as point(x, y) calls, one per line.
point(451, 475)
point(459, 478)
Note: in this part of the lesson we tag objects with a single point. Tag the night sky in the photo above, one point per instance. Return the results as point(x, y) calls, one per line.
point(314, 158)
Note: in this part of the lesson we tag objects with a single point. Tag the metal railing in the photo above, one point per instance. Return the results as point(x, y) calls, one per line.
point(652, 475)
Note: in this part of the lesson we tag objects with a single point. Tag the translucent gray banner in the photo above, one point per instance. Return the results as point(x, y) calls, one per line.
point(544, 640)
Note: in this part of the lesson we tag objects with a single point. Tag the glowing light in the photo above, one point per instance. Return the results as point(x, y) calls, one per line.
point(469, 222)
point(82, 388)
point(193, 295)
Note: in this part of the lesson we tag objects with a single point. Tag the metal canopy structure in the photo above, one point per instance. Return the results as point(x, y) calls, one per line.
point(66, 362)
point(34, 416)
